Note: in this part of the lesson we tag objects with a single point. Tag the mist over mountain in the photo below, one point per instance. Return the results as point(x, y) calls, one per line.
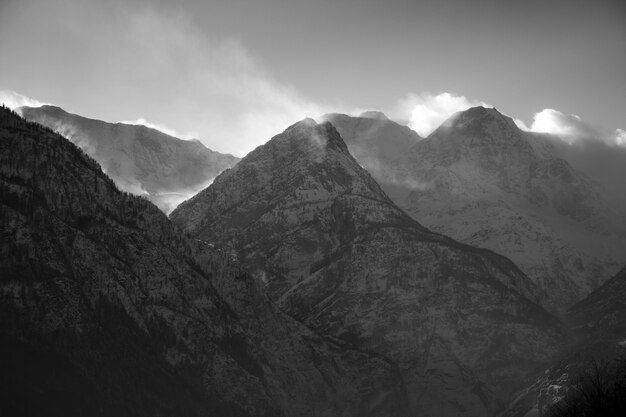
point(482, 180)
point(602, 162)
point(314, 277)
point(141, 160)
point(106, 309)
point(462, 324)
point(373, 139)
point(302, 208)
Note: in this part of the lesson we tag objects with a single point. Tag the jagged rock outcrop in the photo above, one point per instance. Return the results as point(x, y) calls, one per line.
point(105, 310)
point(481, 180)
point(141, 160)
point(461, 323)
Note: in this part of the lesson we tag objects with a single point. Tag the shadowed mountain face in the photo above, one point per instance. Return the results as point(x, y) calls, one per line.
point(599, 324)
point(105, 310)
point(481, 180)
point(141, 160)
point(461, 323)
point(603, 312)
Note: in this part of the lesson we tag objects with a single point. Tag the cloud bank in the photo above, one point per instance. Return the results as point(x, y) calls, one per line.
point(221, 93)
point(427, 111)
point(154, 61)
point(573, 129)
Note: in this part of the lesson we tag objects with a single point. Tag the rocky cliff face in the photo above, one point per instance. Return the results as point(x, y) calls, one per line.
point(105, 310)
point(461, 323)
point(481, 180)
point(140, 160)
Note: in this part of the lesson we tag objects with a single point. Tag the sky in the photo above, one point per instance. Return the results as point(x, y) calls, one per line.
point(234, 73)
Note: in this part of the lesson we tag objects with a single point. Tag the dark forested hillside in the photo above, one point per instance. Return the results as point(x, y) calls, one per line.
point(105, 311)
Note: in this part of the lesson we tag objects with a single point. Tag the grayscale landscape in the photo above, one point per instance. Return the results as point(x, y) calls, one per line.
point(312, 209)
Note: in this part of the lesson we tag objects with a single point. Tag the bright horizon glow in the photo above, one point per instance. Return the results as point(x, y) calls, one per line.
point(218, 71)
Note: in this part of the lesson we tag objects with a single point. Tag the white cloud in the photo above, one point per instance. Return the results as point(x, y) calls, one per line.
point(427, 111)
point(219, 90)
point(13, 100)
point(572, 128)
point(157, 62)
point(556, 123)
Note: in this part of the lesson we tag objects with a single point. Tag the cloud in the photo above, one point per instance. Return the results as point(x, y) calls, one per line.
point(426, 111)
point(219, 90)
point(13, 100)
point(572, 129)
point(154, 61)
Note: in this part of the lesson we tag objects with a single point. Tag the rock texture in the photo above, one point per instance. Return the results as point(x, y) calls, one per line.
point(603, 312)
point(483, 181)
point(140, 160)
point(105, 310)
point(461, 323)
point(599, 325)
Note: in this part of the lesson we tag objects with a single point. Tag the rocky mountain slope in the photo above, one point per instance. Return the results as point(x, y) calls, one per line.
point(483, 181)
point(603, 312)
point(105, 310)
point(461, 323)
point(141, 160)
point(599, 325)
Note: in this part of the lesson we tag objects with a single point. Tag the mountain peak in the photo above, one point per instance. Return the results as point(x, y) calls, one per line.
point(47, 109)
point(371, 114)
point(480, 122)
point(309, 136)
point(308, 160)
point(306, 122)
point(140, 159)
point(480, 117)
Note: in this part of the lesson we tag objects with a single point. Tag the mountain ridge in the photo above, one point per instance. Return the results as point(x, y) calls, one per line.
point(102, 297)
point(335, 252)
point(483, 181)
point(142, 160)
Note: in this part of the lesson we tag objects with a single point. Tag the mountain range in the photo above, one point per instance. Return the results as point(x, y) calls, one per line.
point(141, 160)
point(346, 267)
point(480, 179)
point(106, 311)
point(337, 254)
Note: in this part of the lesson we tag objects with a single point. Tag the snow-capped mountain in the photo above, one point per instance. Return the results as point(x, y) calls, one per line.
point(141, 160)
point(462, 324)
point(479, 179)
